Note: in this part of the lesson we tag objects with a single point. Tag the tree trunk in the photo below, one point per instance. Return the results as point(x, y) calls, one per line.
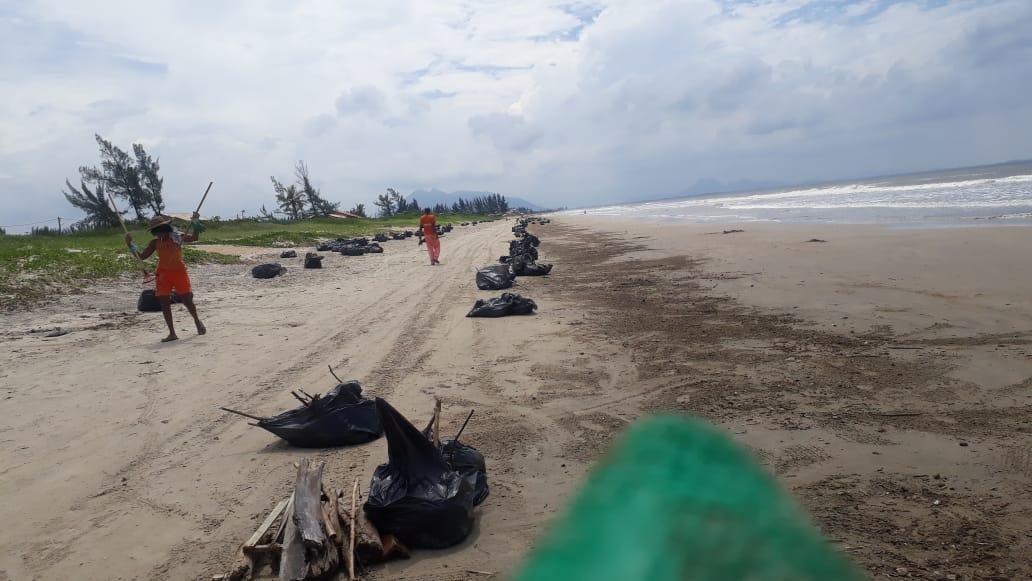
point(306, 538)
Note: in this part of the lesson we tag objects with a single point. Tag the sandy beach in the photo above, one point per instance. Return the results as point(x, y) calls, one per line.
point(885, 376)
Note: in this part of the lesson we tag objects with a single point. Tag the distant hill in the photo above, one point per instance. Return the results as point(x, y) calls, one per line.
point(434, 196)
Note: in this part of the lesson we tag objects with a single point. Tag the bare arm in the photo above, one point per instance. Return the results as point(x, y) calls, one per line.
point(146, 252)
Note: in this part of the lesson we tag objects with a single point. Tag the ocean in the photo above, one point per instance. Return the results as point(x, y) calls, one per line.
point(987, 195)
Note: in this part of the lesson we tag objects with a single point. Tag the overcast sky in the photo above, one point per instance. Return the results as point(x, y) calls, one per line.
point(572, 103)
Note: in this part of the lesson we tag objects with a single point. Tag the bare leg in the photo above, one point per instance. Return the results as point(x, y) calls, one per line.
point(166, 310)
point(188, 301)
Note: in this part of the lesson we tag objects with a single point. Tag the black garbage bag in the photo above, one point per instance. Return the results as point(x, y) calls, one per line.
point(470, 463)
point(507, 304)
point(313, 260)
point(494, 277)
point(416, 496)
point(288, 254)
point(374, 248)
point(530, 268)
point(270, 270)
point(381, 238)
point(353, 251)
point(534, 240)
point(323, 247)
point(342, 417)
point(148, 302)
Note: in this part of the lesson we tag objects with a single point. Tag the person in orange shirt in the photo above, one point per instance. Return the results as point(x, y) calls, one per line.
point(428, 224)
point(171, 272)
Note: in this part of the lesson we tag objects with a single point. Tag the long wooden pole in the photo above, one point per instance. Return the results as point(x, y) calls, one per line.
point(198, 210)
point(143, 265)
point(351, 540)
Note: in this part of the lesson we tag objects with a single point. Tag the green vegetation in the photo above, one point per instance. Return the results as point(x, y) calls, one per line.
point(33, 266)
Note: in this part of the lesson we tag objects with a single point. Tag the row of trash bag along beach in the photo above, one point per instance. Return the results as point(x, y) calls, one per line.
point(520, 261)
point(425, 493)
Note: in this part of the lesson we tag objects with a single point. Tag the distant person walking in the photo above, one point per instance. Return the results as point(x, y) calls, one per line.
point(171, 272)
point(428, 224)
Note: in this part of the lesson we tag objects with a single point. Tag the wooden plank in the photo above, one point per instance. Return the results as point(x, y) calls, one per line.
point(267, 524)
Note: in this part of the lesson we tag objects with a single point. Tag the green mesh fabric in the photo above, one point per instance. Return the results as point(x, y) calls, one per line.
point(676, 499)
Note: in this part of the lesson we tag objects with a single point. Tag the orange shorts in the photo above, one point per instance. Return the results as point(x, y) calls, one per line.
point(166, 280)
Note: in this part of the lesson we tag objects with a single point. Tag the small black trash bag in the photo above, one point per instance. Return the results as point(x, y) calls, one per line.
point(288, 254)
point(268, 270)
point(494, 277)
point(148, 302)
point(416, 496)
point(531, 268)
point(342, 417)
point(507, 304)
point(313, 260)
point(374, 248)
point(470, 463)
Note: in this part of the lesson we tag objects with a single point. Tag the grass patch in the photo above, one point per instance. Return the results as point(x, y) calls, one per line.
point(308, 232)
point(33, 267)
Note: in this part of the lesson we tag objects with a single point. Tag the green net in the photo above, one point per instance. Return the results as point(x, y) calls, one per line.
point(676, 499)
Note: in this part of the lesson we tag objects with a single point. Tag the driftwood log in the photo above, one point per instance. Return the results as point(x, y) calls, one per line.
point(370, 547)
point(309, 552)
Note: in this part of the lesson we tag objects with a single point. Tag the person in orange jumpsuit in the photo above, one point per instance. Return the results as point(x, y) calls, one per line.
point(428, 224)
point(171, 273)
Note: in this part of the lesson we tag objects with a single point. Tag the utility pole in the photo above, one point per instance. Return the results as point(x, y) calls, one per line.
point(59, 224)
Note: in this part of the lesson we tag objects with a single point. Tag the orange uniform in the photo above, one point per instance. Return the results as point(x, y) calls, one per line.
point(171, 271)
point(428, 222)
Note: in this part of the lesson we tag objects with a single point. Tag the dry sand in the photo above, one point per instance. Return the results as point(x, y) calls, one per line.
point(885, 376)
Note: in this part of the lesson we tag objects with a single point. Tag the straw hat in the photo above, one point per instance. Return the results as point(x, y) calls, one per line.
point(159, 220)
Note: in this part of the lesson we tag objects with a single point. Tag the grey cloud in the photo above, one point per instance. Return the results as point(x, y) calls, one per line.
point(505, 131)
point(739, 85)
point(319, 125)
point(362, 99)
point(110, 110)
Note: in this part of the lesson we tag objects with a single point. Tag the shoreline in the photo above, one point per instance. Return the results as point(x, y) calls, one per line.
point(131, 458)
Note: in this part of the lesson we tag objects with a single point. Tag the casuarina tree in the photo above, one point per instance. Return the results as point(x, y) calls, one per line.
point(133, 178)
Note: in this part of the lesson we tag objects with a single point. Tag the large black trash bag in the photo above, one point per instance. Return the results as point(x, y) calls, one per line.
point(494, 278)
point(288, 254)
point(148, 302)
point(470, 463)
point(342, 417)
point(351, 250)
point(268, 270)
point(374, 248)
point(416, 496)
point(507, 304)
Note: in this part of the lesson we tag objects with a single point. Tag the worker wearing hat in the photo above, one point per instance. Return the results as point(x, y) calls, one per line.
point(171, 272)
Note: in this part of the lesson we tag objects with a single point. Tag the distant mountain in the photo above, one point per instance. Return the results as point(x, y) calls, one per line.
point(434, 196)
